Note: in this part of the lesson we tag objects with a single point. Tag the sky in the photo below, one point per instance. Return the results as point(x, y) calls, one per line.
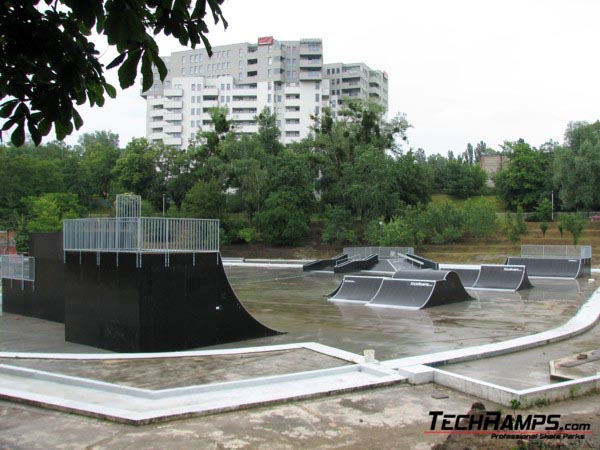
point(462, 71)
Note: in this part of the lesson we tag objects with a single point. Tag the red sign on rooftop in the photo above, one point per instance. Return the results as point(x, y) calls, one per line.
point(266, 40)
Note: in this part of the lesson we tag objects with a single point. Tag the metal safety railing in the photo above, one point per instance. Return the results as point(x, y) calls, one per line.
point(382, 252)
point(17, 267)
point(141, 235)
point(570, 251)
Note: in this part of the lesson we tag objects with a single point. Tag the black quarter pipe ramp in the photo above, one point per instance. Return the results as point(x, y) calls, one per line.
point(357, 289)
point(502, 277)
point(549, 267)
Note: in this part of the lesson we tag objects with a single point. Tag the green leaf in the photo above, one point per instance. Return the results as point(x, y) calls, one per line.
point(35, 134)
point(147, 78)
point(118, 60)
point(77, 119)
point(18, 136)
point(128, 70)
point(7, 108)
point(110, 90)
point(44, 127)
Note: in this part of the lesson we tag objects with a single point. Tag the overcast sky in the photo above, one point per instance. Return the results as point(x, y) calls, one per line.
point(462, 71)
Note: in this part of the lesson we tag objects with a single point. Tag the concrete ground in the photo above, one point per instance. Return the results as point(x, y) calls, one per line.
point(386, 418)
point(290, 300)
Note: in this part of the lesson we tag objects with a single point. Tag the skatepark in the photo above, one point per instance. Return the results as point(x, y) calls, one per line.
point(494, 341)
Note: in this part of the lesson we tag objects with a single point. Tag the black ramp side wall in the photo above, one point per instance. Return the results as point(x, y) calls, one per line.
point(468, 277)
point(43, 299)
point(400, 293)
point(121, 307)
point(549, 267)
point(450, 290)
point(357, 289)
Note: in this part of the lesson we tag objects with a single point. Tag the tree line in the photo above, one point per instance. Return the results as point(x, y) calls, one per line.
point(352, 175)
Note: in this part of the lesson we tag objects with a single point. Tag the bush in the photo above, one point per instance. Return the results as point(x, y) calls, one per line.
point(480, 219)
point(398, 232)
point(249, 235)
point(544, 228)
point(282, 222)
point(338, 228)
point(574, 224)
point(374, 231)
point(542, 212)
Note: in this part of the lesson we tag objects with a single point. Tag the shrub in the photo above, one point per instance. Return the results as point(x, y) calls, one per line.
point(480, 219)
point(339, 224)
point(282, 221)
point(544, 228)
point(249, 235)
point(574, 224)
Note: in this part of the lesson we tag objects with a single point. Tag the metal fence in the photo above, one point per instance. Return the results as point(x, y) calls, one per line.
point(141, 235)
point(571, 251)
point(17, 267)
point(382, 252)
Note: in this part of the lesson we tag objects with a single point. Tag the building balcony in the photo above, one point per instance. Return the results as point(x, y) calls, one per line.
point(172, 129)
point(175, 141)
point(310, 75)
point(156, 112)
point(170, 117)
point(173, 104)
point(310, 63)
point(173, 92)
point(157, 135)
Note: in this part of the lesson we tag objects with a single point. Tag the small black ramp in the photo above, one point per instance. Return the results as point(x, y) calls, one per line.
point(549, 267)
point(495, 276)
point(468, 277)
point(321, 264)
point(420, 289)
point(357, 289)
point(356, 264)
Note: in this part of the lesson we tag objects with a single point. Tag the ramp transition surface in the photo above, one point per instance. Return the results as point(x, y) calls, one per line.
point(549, 267)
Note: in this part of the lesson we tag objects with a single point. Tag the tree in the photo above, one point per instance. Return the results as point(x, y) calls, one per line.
point(526, 178)
point(135, 170)
point(574, 224)
point(205, 200)
point(48, 63)
point(577, 167)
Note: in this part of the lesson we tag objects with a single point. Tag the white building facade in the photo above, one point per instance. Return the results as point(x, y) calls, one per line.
point(287, 77)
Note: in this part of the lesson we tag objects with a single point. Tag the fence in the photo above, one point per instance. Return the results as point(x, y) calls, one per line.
point(17, 267)
point(141, 235)
point(571, 251)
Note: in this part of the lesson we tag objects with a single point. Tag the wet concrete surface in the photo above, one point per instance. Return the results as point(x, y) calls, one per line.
point(528, 368)
point(167, 373)
point(293, 301)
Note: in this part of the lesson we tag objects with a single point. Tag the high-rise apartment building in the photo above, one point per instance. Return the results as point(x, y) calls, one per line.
point(288, 77)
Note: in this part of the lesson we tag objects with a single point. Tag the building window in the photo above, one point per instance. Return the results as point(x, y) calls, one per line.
point(228, 86)
point(269, 98)
point(222, 99)
point(229, 53)
point(222, 86)
point(317, 86)
point(317, 110)
point(270, 60)
point(193, 99)
point(193, 123)
point(183, 71)
point(183, 60)
point(270, 85)
point(199, 98)
point(317, 98)
point(269, 73)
